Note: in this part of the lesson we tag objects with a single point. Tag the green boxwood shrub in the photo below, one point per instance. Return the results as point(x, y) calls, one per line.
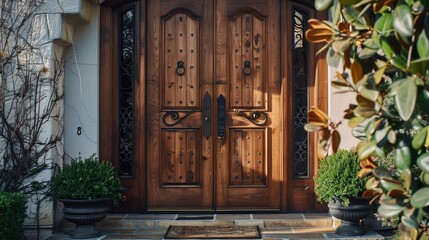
point(12, 215)
point(337, 177)
point(86, 178)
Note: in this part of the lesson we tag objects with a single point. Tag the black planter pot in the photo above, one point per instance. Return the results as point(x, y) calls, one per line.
point(350, 216)
point(85, 213)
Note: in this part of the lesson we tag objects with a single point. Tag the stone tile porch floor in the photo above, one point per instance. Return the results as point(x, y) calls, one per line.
point(153, 226)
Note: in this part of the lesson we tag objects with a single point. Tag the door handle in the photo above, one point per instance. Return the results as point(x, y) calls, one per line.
point(221, 118)
point(207, 115)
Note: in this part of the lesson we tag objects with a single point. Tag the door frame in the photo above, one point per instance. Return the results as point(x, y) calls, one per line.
point(108, 124)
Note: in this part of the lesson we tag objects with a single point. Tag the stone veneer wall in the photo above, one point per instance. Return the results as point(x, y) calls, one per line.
point(53, 26)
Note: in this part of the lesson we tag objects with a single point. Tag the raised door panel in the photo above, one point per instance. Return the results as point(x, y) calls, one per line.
point(180, 48)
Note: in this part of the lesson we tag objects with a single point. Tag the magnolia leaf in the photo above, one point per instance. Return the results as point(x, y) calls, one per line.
point(372, 183)
point(403, 20)
point(314, 127)
point(391, 137)
point(419, 66)
point(316, 35)
point(370, 47)
point(341, 46)
point(423, 45)
point(365, 148)
point(323, 146)
point(316, 24)
point(367, 163)
point(353, 16)
point(366, 53)
point(355, 121)
point(425, 178)
point(336, 139)
point(333, 58)
point(356, 71)
point(390, 210)
point(378, 75)
point(322, 5)
point(384, 24)
point(409, 221)
point(407, 178)
point(382, 133)
point(386, 47)
point(423, 162)
point(389, 184)
point(340, 84)
point(402, 157)
point(420, 198)
point(397, 193)
point(419, 138)
point(405, 98)
point(381, 172)
point(370, 193)
point(363, 172)
point(399, 61)
point(369, 89)
point(318, 116)
point(394, 87)
point(363, 111)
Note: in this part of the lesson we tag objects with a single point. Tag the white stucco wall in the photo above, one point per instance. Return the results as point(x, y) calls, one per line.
point(337, 103)
point(81, 90)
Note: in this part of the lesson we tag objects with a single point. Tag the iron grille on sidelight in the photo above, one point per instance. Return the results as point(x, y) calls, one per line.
point(300, 95)
point(127, 75)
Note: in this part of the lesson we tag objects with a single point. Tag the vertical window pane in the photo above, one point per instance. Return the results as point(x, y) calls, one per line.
point(126, 78)
point(300, 95)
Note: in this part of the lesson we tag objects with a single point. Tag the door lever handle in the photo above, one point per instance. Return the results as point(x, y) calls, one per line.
point(207, 115)
point(221, 118)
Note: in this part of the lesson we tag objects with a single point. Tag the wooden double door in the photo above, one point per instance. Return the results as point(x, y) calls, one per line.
point(213, 105)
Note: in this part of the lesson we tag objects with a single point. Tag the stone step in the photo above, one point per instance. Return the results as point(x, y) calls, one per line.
point(154, 226)
point(144, 221)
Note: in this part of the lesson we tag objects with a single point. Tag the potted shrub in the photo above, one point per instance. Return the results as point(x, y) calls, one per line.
point(87, 187)
point(338, 184)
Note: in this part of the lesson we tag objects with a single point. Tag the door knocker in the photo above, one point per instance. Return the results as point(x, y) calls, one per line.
point(180, 70)
point(247, 70)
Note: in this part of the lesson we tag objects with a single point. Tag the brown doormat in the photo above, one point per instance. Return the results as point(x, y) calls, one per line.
point(212, 232)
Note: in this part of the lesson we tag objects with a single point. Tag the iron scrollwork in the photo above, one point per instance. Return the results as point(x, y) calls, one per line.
point(174, 115)
point(258, 118)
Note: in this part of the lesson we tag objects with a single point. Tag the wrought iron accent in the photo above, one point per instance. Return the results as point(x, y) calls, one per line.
point(126, 76)
point(258, 118)
point(174, 115)
point(180, 70)
point(247, 70)
point(298, 28)
point(207, 115)
point(221, 118)
point(300, 95)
